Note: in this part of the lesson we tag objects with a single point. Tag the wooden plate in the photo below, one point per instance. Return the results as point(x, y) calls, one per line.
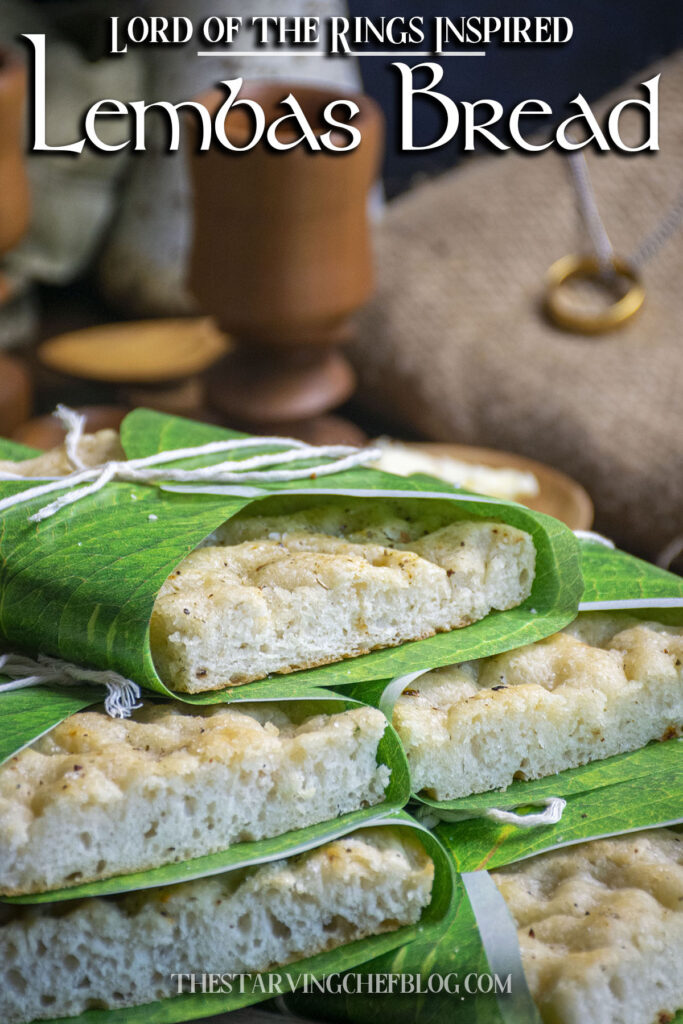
point(558, 496)
point(138, 352)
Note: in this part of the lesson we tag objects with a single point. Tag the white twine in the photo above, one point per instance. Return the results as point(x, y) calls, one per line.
point(74, 425)
point(554, 807)
point(595, 227)
point(590, 215)
point(257, 468)
point(551, 815)
point(123, 694)
point(430, 816)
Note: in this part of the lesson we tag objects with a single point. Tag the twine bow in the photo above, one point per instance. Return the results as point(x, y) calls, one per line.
point(257, 469)
point(123, 695)
point(551, 814)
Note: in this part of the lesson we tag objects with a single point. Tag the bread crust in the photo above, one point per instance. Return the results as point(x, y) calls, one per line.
point(280, 594)
point(606, 685)
point(98, 797)
point(600, 927)
point(123, 951)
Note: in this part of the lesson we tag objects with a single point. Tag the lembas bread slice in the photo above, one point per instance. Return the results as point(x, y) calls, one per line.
point(281, 593)
point(98, 797)
point(126, 951)
point(600, 927)
point(606, 685)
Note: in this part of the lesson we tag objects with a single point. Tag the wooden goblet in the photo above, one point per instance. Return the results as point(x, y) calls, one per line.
point(14, 194)
point(282, 258)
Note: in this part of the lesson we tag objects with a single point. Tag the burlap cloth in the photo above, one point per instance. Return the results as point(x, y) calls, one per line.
point(455, 345)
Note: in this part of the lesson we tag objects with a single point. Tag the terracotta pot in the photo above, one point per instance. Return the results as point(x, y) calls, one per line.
point(14, 194)
point(281, 252)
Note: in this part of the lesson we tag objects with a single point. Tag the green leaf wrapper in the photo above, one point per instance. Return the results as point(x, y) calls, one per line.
point(627, 806)
point(632, 791)
point(607, 572)
point(449, 948)
point(25, 715)
point(81, 585)
point(189, 1006)
point(91, 604)
point(458, 947)
point(655, 758)
point(613, 576)
point(397, 793)
point(479, 845)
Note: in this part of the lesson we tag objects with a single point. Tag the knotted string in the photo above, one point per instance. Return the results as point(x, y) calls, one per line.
point(595, 227)
point(74, 425)
point(551, 814)
point(258, 468)
point(123, 694)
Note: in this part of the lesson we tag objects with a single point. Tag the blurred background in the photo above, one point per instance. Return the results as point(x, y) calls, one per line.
point(348, 296)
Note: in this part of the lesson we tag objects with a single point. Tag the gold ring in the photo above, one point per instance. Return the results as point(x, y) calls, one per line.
point(586, 267)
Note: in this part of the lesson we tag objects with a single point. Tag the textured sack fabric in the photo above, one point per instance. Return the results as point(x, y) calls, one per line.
point(456, 346)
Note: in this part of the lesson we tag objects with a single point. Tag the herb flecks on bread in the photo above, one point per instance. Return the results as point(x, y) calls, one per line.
point(281, 593)
point(605, 685)
point(98, 797)
point(600, 927)
point(58, 960)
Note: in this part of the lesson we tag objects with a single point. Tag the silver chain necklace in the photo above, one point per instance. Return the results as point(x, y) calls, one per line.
point(604, 265)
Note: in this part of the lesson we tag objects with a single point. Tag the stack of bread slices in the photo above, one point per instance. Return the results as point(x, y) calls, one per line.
point(98, 798)
point(600, 924)
point(607, 684)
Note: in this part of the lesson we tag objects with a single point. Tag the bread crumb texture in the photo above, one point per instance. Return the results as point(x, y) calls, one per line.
point(97, 797)
point(605, 685)
point(600, 927)
point(60, 960)
point(280, 593)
